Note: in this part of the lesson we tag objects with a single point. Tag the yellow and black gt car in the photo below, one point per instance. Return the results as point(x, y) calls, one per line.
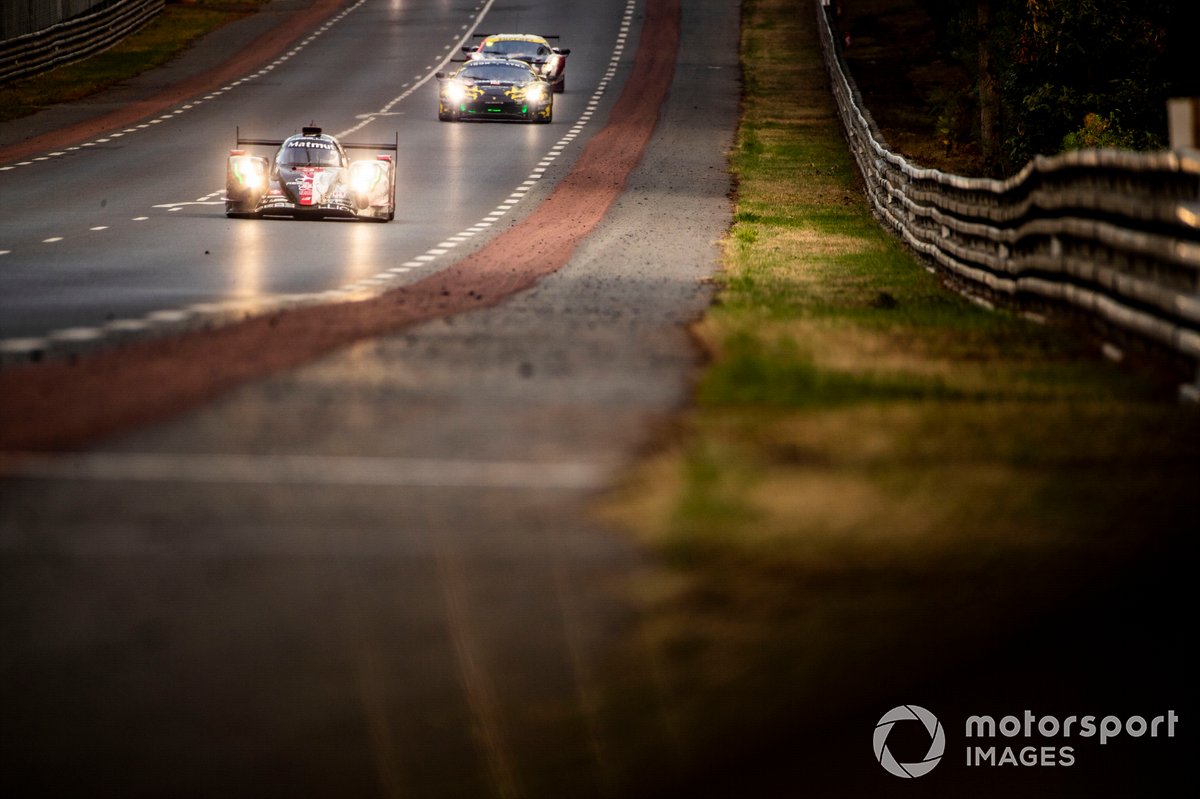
point(495, 88)
point(548, 60)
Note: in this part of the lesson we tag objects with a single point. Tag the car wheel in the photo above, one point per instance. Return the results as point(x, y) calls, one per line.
point(561, 86)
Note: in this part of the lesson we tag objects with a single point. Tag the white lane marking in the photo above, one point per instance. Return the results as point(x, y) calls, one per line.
point(167, 316)
point(23, 346)
point(126, 325)
point(76, 334)
point(321, 470)
point(177, 206)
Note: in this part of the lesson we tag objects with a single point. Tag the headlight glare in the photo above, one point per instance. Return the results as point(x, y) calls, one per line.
point(363, 177)
point(249, 172)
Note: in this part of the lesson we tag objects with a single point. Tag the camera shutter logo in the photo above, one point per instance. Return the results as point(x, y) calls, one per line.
point(937, 742)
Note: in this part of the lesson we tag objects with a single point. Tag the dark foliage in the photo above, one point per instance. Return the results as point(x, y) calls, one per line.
point(1070, 73)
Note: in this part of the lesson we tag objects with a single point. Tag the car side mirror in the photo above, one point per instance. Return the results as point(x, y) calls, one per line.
point(468, 49)
point(439, 74)
point(563, 50)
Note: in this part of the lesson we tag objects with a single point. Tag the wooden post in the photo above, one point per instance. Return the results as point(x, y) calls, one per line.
point(1183, 119)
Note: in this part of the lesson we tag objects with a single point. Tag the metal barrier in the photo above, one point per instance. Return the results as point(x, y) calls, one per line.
point(1113, 234)
point(18, 17)
point(74, 39)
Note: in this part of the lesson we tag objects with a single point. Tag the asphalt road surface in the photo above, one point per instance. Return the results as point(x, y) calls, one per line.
point(130, 222)
point(376, 575)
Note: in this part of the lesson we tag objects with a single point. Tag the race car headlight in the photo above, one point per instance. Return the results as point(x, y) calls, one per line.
point(455, 92)
point(249, 172)
point(535, 93)
point(363, 177)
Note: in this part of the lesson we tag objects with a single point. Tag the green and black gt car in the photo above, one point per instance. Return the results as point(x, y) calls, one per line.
point(493, 88)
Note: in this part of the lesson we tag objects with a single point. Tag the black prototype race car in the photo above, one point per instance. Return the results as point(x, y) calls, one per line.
point(311, 176)
point(549, 61)
point(492, 88)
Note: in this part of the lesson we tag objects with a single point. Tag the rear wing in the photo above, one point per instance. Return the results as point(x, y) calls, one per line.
point(394, 146)
point(547, 36)
point(543, 35)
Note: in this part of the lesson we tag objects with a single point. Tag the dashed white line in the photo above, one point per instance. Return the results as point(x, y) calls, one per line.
point(75, 334)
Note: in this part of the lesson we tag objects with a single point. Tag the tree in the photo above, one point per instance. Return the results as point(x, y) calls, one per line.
point(989, 98)
point(1041, 67)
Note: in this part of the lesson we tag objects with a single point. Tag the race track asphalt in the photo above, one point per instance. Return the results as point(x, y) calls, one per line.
point(376, 573)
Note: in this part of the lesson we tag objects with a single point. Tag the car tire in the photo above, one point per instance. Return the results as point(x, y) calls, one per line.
point(561, 86)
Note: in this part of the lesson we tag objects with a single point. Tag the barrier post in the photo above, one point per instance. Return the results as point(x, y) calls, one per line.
point(1183, 119)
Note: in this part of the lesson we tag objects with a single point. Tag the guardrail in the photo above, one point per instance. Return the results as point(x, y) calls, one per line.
point(1112, 234)
point(74, 39)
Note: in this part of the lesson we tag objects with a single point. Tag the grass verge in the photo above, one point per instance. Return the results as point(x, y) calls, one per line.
point(178, 26)
point(883, 484)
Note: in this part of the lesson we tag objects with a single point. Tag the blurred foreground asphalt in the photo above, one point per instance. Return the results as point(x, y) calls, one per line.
point(376, 575)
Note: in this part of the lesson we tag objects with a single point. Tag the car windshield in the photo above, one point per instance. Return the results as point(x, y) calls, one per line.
point(489, 72)
point(309, 152)
point(515, 48)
